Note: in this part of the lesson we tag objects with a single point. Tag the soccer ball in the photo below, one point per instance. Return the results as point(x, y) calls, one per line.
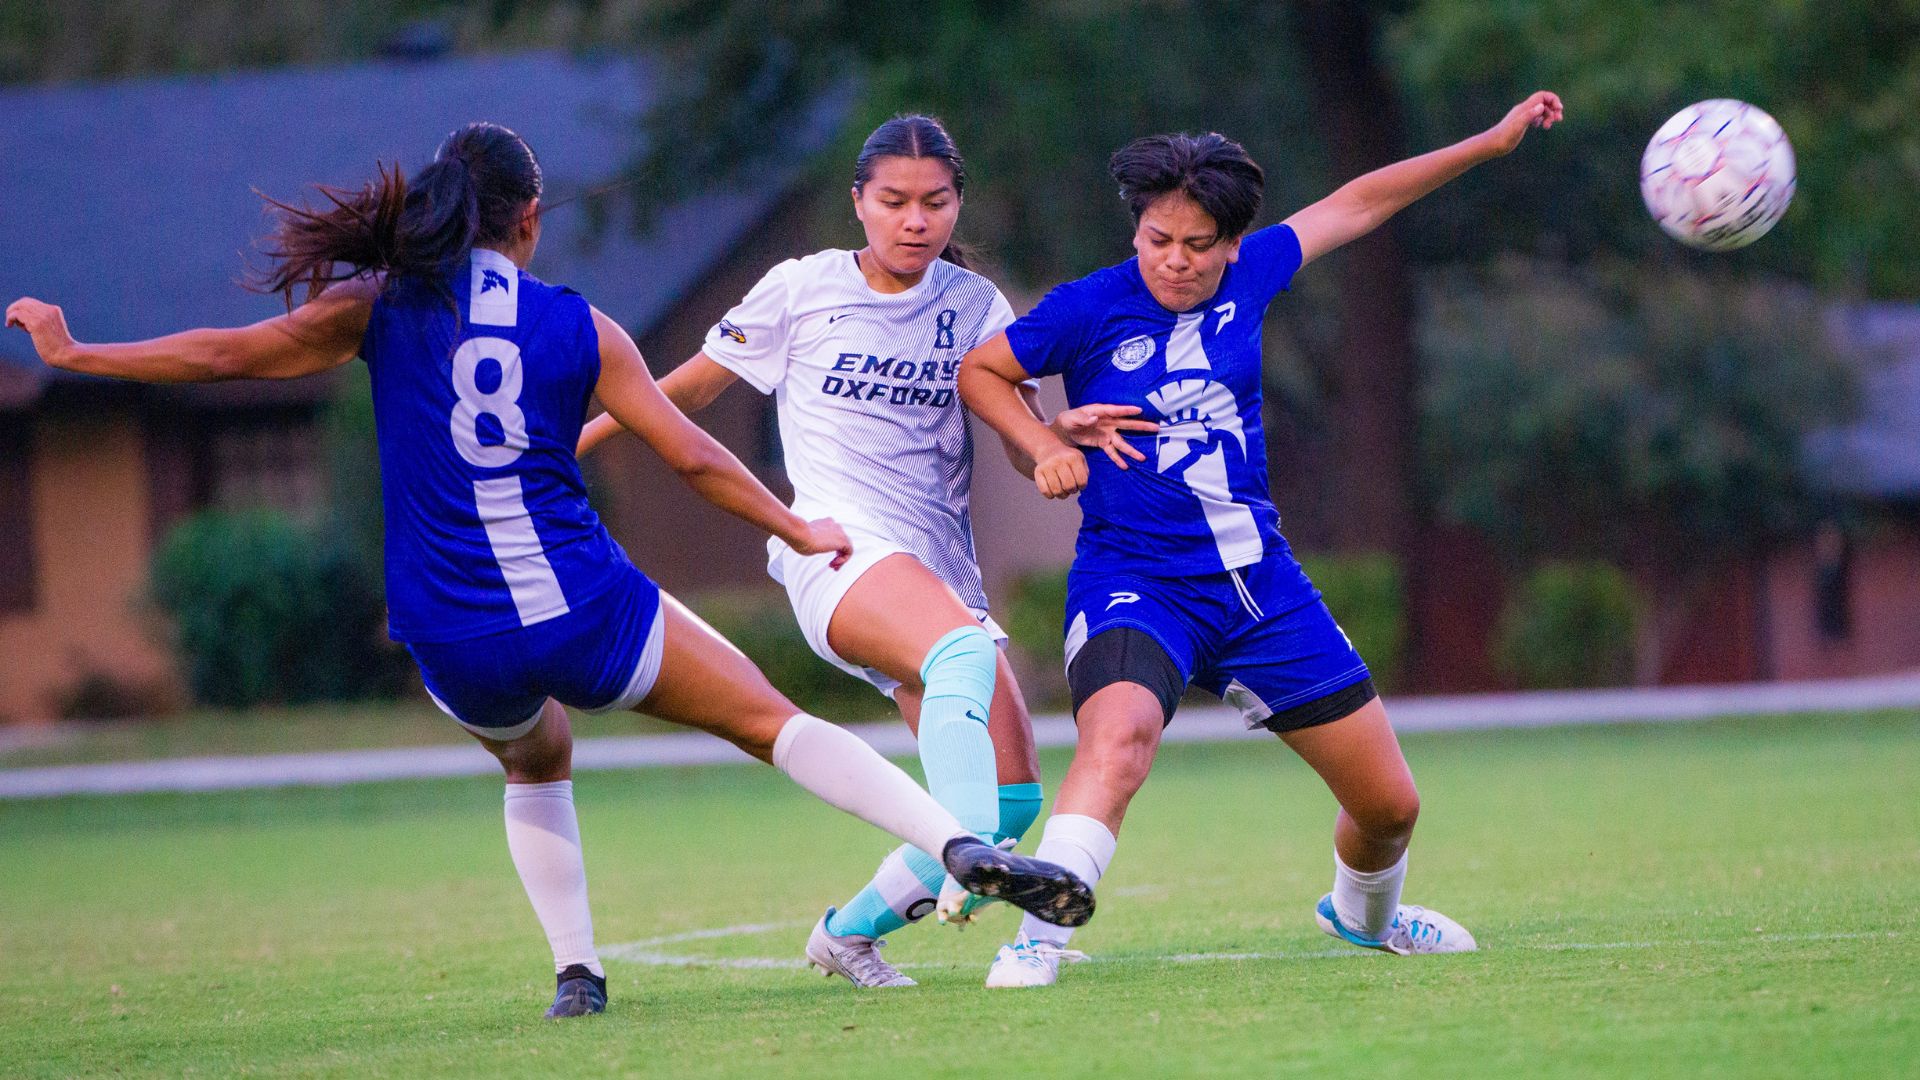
point(1718, 175)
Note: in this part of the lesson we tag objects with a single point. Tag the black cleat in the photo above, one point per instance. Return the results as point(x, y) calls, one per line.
point(1052, 893)
point(581, 993)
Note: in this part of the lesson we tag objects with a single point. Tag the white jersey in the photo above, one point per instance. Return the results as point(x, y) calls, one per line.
point(871, 424)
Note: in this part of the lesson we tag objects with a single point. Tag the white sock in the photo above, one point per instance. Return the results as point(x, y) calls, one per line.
point(1366, 901)
point(1081, 844)
point(544, 836)
point(845, 772)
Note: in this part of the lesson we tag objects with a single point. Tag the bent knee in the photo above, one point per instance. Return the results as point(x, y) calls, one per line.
point(1390, 817)
point(962, 663)
point(1123, 743)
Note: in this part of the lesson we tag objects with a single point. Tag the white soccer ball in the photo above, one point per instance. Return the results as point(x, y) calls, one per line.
point(1718, 175)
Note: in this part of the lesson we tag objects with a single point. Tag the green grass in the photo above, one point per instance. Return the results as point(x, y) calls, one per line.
point(1730, 899)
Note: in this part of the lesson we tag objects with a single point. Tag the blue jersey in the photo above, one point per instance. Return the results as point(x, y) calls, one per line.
point(479, 404)
point(1199, 504)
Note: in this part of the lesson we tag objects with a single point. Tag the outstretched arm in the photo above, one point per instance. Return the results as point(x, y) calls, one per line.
point(323, 333)
point(635, 402)
point(691, 387)
point(1364, 204)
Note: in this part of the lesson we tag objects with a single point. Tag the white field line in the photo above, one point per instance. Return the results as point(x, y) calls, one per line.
point(648, 951)
point(1203, 724)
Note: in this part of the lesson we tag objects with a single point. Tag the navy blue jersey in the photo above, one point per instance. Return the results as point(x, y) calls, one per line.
point(1199, 504)
point(479, 404)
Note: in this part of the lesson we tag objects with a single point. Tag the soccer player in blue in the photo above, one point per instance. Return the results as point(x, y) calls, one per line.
point(1181, 576)
point(501, 580)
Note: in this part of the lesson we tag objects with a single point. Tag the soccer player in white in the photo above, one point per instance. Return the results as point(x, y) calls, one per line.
point(860, 350)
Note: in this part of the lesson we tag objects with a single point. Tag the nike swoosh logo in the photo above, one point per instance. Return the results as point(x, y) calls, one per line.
point(831, 319)
point(975, 717)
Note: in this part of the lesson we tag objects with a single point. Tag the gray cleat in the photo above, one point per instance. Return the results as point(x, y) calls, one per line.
point(853, 956)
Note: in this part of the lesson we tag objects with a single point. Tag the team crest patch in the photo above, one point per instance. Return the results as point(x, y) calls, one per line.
point(727, 329)
point(1133, 353)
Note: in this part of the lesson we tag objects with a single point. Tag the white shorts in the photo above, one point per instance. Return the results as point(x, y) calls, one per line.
point(815, 589)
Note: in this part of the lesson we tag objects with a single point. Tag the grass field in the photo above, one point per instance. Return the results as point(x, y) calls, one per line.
point(1732, 899)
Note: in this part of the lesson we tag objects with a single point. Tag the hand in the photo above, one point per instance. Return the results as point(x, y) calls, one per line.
point(1100, 427)
point(1542, 110)
point(821, 537)
point(1060, 471)
point(47, 325)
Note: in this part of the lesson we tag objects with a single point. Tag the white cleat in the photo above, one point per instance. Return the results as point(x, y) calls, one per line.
point(854, 957)
point(1029, 963)
point(1415, 931)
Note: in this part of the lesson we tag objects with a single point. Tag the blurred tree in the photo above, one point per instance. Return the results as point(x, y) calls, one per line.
point(1653, 419)
point(1036, 94)
point(1841, 76)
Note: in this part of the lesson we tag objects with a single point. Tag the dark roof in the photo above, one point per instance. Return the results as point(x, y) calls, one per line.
point(1878, 455)
point(130, 203)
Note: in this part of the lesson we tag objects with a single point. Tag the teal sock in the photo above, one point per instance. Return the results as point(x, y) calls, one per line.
point(904, 887)
point(1019, 807)
point(956, 751)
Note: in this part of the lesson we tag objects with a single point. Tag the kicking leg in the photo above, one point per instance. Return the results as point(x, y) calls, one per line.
point(543, 836)
point(706, 683)
point(908, 881)
point(902, 620)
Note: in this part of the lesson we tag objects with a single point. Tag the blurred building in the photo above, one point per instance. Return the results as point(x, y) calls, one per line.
point(1846, 600)
point(132, 205)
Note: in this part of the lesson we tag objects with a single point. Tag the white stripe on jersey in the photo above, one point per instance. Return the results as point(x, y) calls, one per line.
point(871, 424)
point(516, 546)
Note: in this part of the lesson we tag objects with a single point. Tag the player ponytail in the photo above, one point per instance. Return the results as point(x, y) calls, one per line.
point(472, 194)
point(914, 135)
point(1211, 169)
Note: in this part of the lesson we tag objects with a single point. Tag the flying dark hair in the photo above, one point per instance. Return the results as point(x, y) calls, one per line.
point(472, 194)
point(1211, 169)
point(915, 136)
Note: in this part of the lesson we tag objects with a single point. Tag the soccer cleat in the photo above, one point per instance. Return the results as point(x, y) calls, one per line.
point(1029, 963)
point(1414, 931)
point(956, 906)
point(854, 956)
point(581, 993)
point(1050, 892)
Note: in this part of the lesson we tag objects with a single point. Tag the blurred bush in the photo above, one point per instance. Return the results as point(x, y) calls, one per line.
point(761, 624)
point(1570, 624)
point(1645, 419)
point(1366, 596)
point(1033, 616)
point(268, 610)
point(104, 694)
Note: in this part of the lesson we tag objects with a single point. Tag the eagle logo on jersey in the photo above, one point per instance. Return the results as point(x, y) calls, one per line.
point(1133, 353)
point(728, 330)
point(491, 280)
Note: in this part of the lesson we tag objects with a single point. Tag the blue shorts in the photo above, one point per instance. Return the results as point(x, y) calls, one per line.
point(1258, 637)
point(601, 656)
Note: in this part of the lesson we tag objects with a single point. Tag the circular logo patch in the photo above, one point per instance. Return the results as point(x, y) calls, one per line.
point(1132, 353)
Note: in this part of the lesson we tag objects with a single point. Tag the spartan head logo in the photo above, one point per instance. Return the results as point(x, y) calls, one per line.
point(1200, 416)
point(491, 280)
